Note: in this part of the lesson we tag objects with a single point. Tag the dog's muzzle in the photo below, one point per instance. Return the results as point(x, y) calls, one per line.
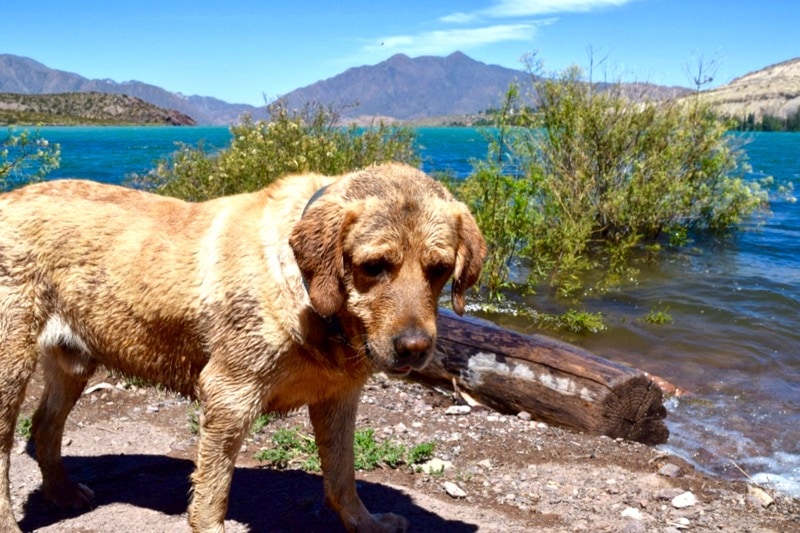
point(413, 349)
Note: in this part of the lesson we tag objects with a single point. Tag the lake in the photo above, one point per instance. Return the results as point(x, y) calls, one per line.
point(734, 343)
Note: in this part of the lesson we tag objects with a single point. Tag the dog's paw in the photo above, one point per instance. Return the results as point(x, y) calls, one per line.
point(72, 496)
point(389, 523)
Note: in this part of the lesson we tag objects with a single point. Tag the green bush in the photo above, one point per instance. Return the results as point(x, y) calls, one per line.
point(597, 176)
point(26, 157)
point(307, 140)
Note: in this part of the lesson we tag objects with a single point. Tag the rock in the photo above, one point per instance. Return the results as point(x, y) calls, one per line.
point(435, 466)
point(670, 470)
point(632, 513)
point(760, 496)
point(458, 410)
point(668, 494)
point(453, 490)
point(524, 415)
point(681, 501)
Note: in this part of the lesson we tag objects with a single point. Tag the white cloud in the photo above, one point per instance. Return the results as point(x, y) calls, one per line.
point(527, 8)
point(442, 42)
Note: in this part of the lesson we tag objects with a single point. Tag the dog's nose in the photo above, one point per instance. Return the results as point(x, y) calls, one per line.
point(412, 347)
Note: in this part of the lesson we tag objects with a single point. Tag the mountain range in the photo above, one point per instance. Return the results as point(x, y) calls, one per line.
point(400, 88)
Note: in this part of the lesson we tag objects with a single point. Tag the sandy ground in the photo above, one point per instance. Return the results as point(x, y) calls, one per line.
point(134, 448)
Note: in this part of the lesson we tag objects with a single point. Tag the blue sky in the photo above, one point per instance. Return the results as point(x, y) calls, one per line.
point(243, 51)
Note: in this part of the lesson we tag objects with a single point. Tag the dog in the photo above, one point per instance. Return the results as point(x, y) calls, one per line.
point(268, 301)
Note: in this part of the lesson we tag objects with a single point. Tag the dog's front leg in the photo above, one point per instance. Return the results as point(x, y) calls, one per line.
point(228, 410)
point(334, 423)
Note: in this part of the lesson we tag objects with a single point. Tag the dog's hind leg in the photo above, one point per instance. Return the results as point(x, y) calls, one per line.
point(17, 360)
point(66, 371)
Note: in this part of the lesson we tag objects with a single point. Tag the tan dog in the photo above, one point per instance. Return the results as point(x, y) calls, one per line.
point(259, 302)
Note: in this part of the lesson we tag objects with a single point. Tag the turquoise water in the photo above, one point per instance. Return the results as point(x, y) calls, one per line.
point(734, 343)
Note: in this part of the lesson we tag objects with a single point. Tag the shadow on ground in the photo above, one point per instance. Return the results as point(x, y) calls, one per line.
point(264, 500)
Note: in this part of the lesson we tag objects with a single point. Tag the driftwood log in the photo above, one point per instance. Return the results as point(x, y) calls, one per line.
point(554, 381)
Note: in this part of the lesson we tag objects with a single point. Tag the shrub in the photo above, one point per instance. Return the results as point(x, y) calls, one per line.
point(598, 175)
point(306, 140)
point(26, 157)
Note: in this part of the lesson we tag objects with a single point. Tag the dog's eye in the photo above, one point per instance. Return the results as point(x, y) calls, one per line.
point(376, 268)
point(439, 270)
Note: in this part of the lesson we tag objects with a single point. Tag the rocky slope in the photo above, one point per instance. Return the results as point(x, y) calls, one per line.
point(85, 108)
point(774, 90)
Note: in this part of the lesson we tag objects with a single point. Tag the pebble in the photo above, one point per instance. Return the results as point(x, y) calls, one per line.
point(632, 513)
point(524, 415)
point(670, 470)
point(435, 466)
point(681, 501)
point(458, 410)
point(453, 490)
point(759, 495)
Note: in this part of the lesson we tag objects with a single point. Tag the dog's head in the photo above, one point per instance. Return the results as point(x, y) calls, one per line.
point(377, 248)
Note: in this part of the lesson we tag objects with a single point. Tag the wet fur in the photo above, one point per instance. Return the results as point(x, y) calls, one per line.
point(250, 303)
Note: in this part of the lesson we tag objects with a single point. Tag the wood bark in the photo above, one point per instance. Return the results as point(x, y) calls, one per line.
point(556, 382)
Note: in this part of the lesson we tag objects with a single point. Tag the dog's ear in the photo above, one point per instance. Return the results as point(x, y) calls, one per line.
point(469, 258)
point(316, 241)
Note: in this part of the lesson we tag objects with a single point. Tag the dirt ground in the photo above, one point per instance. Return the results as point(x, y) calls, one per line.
point(134, 448)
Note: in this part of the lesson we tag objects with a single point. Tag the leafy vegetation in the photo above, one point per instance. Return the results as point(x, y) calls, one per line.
point(306, 140)
point(658, 317)
point(290, 447)
point(597, 177)
point(768, 123)
point(26, 157)
point(25, 427)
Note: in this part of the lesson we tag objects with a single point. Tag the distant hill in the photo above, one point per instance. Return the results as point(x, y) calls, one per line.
point(85, 108)
point(407, 89)
point(404, 88)
point(26, 76)
point(774, 90)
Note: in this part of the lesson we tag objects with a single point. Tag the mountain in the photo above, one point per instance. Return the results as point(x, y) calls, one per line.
point(85, 108)
point(774, 90)
point(26, 76)
point(407, 89)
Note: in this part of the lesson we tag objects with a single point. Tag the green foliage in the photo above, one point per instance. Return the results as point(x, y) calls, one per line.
point(370, 454)
point(598, 176)
point(768, 123)
point(658, 317)
point(24, 425)
point(308, 140)
point(291, 447)
point(421, 453)
point(26, 157)
point(262, 421)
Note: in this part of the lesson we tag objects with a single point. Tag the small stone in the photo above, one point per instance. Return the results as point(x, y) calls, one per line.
point(435, 466)
point(458, 410)
point(485, 463)
point(152, 408)
point(400, 428)
point(668, 494)
point(632, 513)
point(670, 470)
point(453, 490)
point(759, 495)
point(524, 415)
point(681, 501)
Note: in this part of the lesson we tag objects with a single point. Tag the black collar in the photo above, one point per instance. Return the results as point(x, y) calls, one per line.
point(314, 197)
